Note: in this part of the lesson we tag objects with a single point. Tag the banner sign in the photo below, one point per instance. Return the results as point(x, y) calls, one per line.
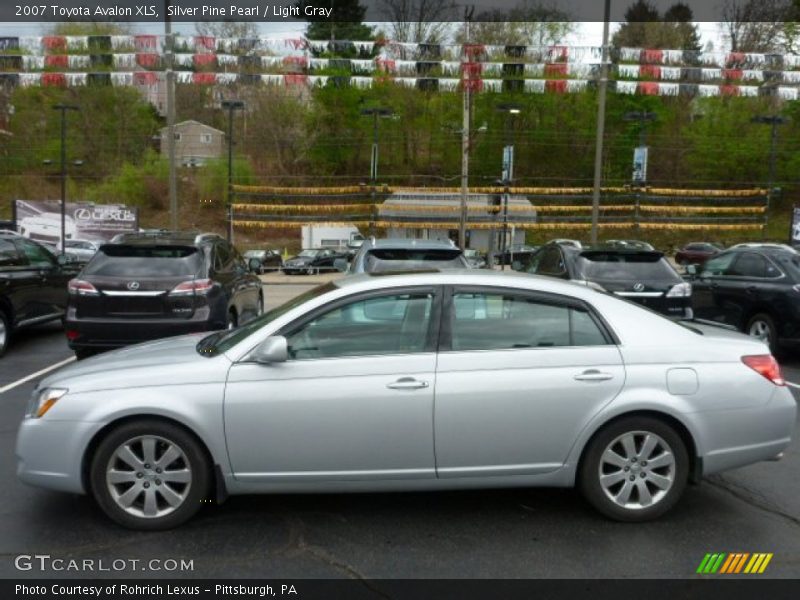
point(40, 220)
point(640, 164)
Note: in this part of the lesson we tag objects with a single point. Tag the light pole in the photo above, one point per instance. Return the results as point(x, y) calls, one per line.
point(231, 105)
point(511, 111)
point(601, 123)
point(639, 175)
point(773, 121)
point(64, 108)
point(373, 167)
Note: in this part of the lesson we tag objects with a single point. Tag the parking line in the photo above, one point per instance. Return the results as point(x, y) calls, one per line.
point(27, 378)
point(794, 385)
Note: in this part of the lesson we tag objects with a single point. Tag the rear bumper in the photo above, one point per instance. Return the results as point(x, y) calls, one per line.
point(115, 333)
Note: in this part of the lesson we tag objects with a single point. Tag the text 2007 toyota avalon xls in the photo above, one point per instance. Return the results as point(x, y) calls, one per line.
point(426, 381)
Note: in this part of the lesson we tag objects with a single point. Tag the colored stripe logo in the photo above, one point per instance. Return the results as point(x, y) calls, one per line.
point(734, 563)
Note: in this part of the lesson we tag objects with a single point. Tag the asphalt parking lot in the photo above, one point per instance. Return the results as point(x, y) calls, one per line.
point(497, 534)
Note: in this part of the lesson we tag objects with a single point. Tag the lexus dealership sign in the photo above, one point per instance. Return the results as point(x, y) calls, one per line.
point(40, 220)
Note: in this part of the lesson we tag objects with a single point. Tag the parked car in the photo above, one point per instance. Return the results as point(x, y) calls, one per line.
point(567, 242)
point(632, 244)
point(46, 227)
point(270, 260)
point(312, 261)
point(148, 286)
point(753, 289)
point(80, 250)
point(514, 252)
point(153, 430)
point(33, 285)
point(643, 276)
point(380, 256)
point(697, 253)
point(475, 258)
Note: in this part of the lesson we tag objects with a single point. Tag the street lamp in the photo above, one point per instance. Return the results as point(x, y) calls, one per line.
point(231, 105)
point(64, 108)
point(511, 111)
point(373, 168)
point(773, 121)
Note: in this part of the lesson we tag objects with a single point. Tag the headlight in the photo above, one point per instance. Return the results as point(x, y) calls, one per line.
point(43, 400)
point(680, 290)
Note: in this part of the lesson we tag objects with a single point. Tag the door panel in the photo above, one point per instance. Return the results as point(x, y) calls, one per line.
point(517, 406)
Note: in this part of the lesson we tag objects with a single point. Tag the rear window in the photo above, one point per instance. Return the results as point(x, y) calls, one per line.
point(405, 259)
point(145, 261)
point(626, 267)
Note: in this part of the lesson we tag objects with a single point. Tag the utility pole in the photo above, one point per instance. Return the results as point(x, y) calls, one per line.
point(511, 111)
point(64, 108)
point(231, 105)
point(601, 124)
point(773, 121)
point(465, 84)
point(373, 166)
point(169, 40)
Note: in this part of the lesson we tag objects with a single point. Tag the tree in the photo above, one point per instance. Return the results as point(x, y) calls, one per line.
point(758, 25)
point(423, 21)
point(345, 23)
point(89, 28)
point(644, 27)
point(227, 29)
point(529, 23)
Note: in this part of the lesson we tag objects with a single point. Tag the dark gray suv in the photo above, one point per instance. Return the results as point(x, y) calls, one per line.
point(153, 285)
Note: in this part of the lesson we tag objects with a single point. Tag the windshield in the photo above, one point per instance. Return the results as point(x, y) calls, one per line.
point(309, 253)
point(599, 266)
point(119, 260)
point(221, 341)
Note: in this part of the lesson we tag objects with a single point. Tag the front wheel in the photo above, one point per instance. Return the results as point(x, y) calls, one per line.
point(5, 332)
point(150, 475)
point(634, 470)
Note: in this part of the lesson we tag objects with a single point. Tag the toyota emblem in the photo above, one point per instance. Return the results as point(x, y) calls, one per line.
point(133, 285)
point(638, 287)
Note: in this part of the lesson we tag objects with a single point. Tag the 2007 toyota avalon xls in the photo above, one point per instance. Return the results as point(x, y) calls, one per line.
point(423, 381)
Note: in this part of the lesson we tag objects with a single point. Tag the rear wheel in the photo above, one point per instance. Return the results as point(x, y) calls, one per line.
point(5, 332)
point(762, 326)
point(260, 306)
point(634, 470)
point(310, 271)
point(150, 475)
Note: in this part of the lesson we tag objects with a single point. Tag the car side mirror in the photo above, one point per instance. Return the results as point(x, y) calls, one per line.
point(254, 265)
point(274, 349)
point(516, 265)
point(341, 265)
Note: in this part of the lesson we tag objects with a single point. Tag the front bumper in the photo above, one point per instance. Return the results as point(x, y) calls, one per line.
point(50, 453)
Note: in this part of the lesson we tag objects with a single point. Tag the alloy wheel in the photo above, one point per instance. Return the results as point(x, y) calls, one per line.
point(149, 476)
point(761, 330)
point(637, 470)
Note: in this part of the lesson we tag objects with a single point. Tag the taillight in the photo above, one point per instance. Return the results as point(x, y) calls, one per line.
point(78, 287)
point(680, 290)
point(766, 366)
point(72, 334)
point(194, 286)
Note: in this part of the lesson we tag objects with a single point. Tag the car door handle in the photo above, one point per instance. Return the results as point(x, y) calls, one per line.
point(407, 383)
point(593, 375)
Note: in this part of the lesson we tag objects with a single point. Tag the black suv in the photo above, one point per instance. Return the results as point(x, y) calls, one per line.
point(153, 285)
point(33, 285)
point(643, 276)
point(756, 290)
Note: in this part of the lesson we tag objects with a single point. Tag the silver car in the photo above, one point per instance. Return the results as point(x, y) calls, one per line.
point(416, 381)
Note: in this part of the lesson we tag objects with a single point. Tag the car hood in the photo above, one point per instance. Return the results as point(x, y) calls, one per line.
point(167, 361)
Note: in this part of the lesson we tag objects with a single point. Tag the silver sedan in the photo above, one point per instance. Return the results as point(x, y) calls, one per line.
point(426, 381)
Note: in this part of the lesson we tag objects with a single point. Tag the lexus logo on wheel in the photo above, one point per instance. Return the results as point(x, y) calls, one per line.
point(638, 287)
point(133, 285)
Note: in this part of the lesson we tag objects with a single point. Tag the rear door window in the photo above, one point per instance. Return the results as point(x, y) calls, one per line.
point(37, 256)
point(9, 256)
point(718, 266)
point(119, 260)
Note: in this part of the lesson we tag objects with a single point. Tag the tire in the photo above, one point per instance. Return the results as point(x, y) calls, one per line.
point(762, 326)
point(663, 483)
point(5, 332)
point(310, 271)
point(125, 499)
point(232, 322)
point(82, 353)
